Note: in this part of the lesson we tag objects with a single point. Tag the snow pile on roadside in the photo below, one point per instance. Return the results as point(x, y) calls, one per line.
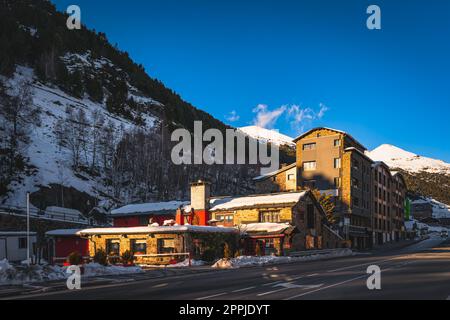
point(95, 269)
point(244, 261)
point(12, 274)
point(20, 274)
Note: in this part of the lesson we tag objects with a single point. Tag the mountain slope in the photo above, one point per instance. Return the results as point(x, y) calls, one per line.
point(398, 158)
point(101, 133)
point(425, 177)
point(267, 135)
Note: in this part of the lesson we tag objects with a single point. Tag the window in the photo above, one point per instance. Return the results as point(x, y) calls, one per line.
point(310, 216)
point(337, 182)
point(310, 184)
point(337, 163)
point(375, 207)
point(309, 146)
point(269, 216)
point(356, 201)
point(291, 177)
point(166, 245)
point(355, 183)
point(337, 142)
point(309, 166)
point(22, 243)
point(355, 164)
point(113, 247)
point(227, 219)
point(139, 246)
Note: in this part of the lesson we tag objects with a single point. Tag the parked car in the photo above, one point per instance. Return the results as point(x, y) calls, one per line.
point(444, 233)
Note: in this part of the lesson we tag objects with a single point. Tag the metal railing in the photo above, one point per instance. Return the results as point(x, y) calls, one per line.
point(52, 215)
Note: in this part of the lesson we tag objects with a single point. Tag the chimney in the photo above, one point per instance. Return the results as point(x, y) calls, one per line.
point(200, 195)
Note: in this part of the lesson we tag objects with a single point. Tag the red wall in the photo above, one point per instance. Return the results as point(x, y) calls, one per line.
point(64, 246)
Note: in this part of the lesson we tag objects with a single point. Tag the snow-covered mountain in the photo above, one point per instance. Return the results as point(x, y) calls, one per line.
point(396, 157)
point(267, 135)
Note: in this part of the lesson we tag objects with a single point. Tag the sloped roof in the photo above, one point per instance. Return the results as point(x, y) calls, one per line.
point(335, 130)
point(230, 203)
point(160, 229)
point(152, 207)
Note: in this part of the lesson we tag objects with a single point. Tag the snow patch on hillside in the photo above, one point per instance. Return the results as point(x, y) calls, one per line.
point(396, 157)
point(267, 135)
point(53, 163)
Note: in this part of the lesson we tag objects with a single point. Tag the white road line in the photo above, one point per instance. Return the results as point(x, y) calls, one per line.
point(364, 264)
point(270, 292)
point(244, 289)
point(448, 298)
point(312, 275)
point(327, 287)
point(271, 283)
point(212, 296)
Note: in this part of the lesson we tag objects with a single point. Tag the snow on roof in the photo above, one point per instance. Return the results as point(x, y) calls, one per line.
point(229, 203)
point(265, 227)
point(152, 207)
point(63, 232)
point(163, 229)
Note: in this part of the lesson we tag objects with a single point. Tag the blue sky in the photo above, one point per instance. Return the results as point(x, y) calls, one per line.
point(294, 65)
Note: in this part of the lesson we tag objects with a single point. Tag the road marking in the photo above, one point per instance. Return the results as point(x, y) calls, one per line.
point(327, 287)
point(212, 296)
point(245, 289)
point(271, 283)
point(312, 275)
point(448, 298)
point(289, 285)
point(161, 285)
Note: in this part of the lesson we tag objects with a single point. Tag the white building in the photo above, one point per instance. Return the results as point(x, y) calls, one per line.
point(13, 245)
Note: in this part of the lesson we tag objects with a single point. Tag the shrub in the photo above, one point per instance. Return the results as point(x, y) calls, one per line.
point(127, 257)
point(101, 257)
point(75, 258)
point(209, 255)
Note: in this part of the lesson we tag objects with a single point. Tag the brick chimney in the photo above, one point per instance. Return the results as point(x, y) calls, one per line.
point(200, 195)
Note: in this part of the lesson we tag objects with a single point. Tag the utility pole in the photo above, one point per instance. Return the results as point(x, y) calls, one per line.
point(28, 227)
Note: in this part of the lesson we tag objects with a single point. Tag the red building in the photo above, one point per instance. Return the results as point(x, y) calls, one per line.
point(61, 243)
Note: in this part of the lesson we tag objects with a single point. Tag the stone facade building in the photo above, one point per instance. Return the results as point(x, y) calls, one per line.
point(335, 163)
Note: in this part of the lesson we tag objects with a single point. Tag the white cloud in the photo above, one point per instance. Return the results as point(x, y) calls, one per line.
point(266, 118)
point(233, 116)
point(297, 116)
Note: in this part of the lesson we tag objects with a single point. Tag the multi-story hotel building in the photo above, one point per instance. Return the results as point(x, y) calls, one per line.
point(334, 162)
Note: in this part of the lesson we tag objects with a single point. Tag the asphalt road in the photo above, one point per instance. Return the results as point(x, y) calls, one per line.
point(420, 271)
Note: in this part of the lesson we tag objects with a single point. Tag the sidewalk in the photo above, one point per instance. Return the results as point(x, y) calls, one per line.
point(394, 245)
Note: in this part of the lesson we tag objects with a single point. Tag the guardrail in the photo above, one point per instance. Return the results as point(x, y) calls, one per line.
point(43, 215)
